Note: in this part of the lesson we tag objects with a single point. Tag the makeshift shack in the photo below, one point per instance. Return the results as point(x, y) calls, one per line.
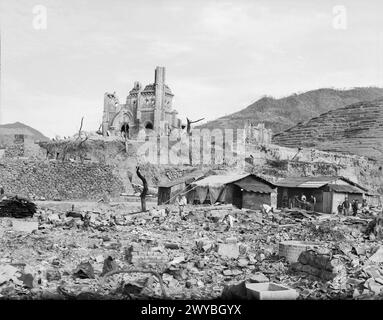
point(329, 192)
point(244, 191)
point(168, 190)
point(373, 199)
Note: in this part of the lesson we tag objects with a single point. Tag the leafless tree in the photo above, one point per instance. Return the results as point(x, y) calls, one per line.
point(189, 123)
point(188, 130)
point(144, 191)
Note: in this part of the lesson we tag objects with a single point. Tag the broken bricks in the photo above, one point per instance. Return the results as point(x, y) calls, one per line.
point(145, 254)
point(204, 244)
point(84, 271)
point(324, 266)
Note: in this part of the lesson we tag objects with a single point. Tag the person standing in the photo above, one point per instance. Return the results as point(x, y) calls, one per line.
point(181, 201)
point(303, 203)
point(346, 206)
point(355, 205)
point(314, 201)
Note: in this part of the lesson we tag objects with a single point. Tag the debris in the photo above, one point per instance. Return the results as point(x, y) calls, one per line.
point(258, 277)
point(84, 271)
point(291, 250)
point(53, 275)
point(377, 256)
point(25, 226)
point(109, 266)
point(17, 207)
point(230, 249)
point(197, 257)
point(375, 227)
point(204, 244)
point(7, 273)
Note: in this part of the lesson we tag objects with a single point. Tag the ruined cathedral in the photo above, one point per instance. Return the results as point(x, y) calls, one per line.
point(148, 108)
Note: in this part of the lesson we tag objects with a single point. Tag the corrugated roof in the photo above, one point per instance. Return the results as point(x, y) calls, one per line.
point(373, 194)
point(259, 187)
point(316, 182)
point(188, 178)
point(344, 188)
point(219, 180)
point(305, 182)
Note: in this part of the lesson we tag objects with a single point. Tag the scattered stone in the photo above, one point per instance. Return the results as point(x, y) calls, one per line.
point(377, 257)
point(258, 277)
point(84, 271)
point(53, 275)
point(228, 250)
point(243, 262)
point(173, 246)
point(204, 244)
point(109, 266)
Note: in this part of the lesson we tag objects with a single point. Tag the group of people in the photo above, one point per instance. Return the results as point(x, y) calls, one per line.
point(346, 206)
point(304, 204)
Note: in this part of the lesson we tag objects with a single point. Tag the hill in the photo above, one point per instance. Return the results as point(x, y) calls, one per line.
point(357, 129)
point(281, 114)
point(21, 128)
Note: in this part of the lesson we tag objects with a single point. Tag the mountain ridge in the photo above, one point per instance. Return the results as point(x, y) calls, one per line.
point(283, 113)
point(21, 128)
point(356, 128)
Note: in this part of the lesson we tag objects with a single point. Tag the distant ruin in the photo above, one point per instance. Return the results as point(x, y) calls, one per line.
point(257, 134)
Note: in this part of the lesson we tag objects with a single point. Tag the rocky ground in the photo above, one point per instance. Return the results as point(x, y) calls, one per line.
point(64, 254)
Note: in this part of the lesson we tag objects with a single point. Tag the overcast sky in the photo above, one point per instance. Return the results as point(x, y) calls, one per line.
point(220, 56)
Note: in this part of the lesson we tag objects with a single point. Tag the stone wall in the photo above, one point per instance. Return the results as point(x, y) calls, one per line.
point(56, 179)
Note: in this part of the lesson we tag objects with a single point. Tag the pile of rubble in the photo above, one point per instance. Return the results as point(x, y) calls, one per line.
point(200, 255)
point(17, 207)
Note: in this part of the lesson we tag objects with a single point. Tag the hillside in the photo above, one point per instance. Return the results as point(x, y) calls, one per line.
point(281, 114)
point(357, 129)
point(21, 128)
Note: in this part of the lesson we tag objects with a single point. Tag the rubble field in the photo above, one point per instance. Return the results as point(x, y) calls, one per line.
point(112, 251)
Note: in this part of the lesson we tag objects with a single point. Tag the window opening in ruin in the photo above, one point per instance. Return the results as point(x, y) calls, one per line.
point(149, 125)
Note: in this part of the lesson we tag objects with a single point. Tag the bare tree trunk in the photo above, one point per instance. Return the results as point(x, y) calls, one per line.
point(188, 131)
point(190, 151)
point(144, 191)
point(79, 130)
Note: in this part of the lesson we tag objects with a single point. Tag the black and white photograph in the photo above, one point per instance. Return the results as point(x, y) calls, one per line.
point(217, 153)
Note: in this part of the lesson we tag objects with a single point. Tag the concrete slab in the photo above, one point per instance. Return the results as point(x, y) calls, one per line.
point(228, 250)
point(377, 257)
point(270, 291)
point(24, 226)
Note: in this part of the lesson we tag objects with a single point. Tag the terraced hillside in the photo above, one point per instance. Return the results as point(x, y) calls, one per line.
point(281, 114)
point(357, 129)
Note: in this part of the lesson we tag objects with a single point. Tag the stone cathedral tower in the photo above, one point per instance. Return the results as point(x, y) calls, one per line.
point(149, 108)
